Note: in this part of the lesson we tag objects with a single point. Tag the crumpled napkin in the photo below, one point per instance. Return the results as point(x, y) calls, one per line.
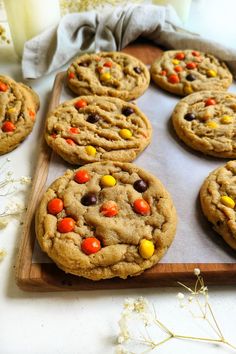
point(92, 31)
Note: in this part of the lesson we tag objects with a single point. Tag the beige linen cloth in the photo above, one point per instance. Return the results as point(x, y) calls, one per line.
point(112, 30)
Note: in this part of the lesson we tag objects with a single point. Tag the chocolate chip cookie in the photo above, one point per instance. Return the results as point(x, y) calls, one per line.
point(206, 120)
point(92, 128)
point(106, 219)
point(112, 74)
point(218, 197)
point(187, 71)
point(18, 107)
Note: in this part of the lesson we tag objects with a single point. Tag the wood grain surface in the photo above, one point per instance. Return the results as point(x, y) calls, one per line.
point(47, 277)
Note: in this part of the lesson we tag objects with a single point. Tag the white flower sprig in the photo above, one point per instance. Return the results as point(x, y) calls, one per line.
point(86, 5)
point(138, 310)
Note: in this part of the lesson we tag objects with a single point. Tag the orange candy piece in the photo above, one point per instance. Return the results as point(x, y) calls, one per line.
point(163, 73)
point(210, 102)
point(81, 176)
point(173, 79)
point(178, 68)
point(80, 104)
point(195, 53)
point(90, 245)
point(66, 225)
point(108, 64)
point(70, 141)
point(74, 130)
point(191, 65)
point(55, 206)
point(3, 86)
point(141, 206)
point(71, 75)
point(8, 127)
point(109, 208)
point(180, 56)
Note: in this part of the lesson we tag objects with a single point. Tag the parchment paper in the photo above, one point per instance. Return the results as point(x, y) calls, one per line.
point(182, 171)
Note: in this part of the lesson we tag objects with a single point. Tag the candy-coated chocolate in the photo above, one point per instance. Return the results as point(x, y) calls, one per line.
point(175, 61)
point(108, 64)
point(8, 127)
point(140, 185)
point(190, 77)
point(189, 117)
point(125, 133)
point(85, 64)
point(74, 130)
point(66, 225)
point(71, 75)
point(226, 120)
point(180, 56)
point(173, 79)
point(89, 199)
point(80, 104)
point(93, 118)
point(108, 181)
point(191, 65)
point(109, 208)
point(178, 68)
point(163, 73)
point(137, 70)
point(90, 245)
point(141, 206)
point(195, 53)
point(55, 206)
point(188, 89)
point(91, 151)
point(70, 141)
point(81, 176)
point(211, 124)
point(210, 102)
point(3, 86)
point(11, 110)
point(127, 111)
point(105, 76)
point(146, 248)
point(227, 201)
point(211, 73)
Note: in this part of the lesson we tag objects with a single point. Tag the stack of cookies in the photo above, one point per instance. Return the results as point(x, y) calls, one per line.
point(108, 218)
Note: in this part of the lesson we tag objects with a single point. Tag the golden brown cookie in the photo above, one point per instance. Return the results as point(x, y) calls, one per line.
point(112, 74)
point(18, 107)
point(93, 128)
point(105, 220)
point(206, 120)
point(187, 71)
point(218, 197)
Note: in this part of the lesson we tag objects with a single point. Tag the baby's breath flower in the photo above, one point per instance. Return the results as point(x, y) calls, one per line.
point(140, 305)
point(196, 271)
point(180, 296)
point(3, 254)
point(25, 180)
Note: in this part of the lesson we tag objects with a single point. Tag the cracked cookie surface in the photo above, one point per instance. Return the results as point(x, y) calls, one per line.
point(206, 122)
point(188, 71)
point(92, 128)
point(112, 74)
point(218, 196)
point(106, 220)
point(18, 107)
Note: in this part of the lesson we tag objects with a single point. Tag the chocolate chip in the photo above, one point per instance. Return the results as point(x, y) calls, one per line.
point(137, 70)
point(190, 77)
point(89, 199)
point(93, 118)
point(127, 111)
point(140, 185)
point(189, 117)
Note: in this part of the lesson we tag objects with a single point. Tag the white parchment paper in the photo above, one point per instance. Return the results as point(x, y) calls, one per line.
point(182, 171)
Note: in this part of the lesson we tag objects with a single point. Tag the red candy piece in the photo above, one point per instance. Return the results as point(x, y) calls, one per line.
point(90, 245)
point(80, 104)
point(32, 114)
point(3, 87)
point(55, 206)
point(191, 65)
point(141, 206)
point(8, 127)
point(66, 225)
point(210, 102)
point(178, 68)
point(74, 130)
point(109, 208)
point(195, 53)
point(173, 79)
point(54, 135)
point(70, 141)
point(81, 176)
point(108, 64)
point(71, 75)
point(163, 73)
point(180, 56)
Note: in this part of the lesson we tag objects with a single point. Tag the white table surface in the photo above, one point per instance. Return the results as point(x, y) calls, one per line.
point(86, 322)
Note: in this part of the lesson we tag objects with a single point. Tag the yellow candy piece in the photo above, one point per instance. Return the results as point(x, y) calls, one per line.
point(175, 61)
point(188, 89)
point(105, 76)
point(226, 119)
point(146, 248)
point(212, 125)
point(11, 110)
point(108, 181)
point(211, 73)
point(227, 201)
point(125, 133)
point(91, 150)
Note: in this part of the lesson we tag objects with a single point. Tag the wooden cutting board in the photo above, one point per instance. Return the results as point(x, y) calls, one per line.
point(47, 277)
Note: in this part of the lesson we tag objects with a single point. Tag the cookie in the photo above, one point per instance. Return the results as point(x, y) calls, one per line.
point(106, 219)
point(92, 128)
point(206, 120)
point(187, 71)
point(218, 197)
point(18, 107)
point(112, 74)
